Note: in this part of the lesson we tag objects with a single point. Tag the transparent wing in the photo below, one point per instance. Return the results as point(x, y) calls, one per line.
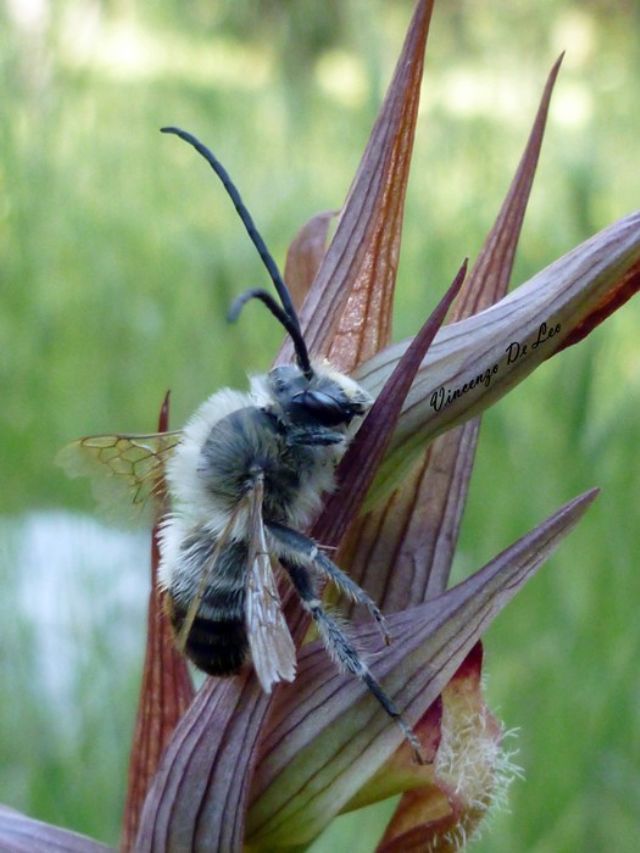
point(207, 571)
point(272, 649)
point(125, 470)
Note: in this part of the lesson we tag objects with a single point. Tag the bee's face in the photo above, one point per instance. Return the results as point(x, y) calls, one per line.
point(328, 398)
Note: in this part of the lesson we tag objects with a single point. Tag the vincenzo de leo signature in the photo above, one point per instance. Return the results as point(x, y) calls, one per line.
point(515, 351)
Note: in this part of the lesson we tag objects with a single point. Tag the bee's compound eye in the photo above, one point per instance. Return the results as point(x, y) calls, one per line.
point(284, 379)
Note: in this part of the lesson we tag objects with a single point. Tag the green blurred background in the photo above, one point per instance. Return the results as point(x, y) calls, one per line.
point(119, 254)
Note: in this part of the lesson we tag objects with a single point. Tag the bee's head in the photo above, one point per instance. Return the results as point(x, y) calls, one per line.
point(327, 398)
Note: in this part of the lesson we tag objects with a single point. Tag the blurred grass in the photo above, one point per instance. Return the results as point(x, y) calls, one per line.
point(119, 255)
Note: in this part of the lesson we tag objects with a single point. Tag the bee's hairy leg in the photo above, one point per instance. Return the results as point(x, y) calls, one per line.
point(304, 550)
point(342, 650)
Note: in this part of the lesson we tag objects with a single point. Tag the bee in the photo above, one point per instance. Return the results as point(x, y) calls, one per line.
point(244, 477)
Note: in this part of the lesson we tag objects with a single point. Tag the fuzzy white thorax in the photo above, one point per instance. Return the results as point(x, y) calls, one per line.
point(190, 497)
point(192, 503)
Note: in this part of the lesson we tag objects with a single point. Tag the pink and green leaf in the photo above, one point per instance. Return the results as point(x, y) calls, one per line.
point(359, 465)
point(328, 737)
point(474, 362)
point(401, 551)
point(22, 834)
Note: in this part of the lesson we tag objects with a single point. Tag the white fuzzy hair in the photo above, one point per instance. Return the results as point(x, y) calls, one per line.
point(191, 498)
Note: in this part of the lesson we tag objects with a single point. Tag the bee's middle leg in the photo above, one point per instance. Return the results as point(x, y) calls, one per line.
point(304, 550)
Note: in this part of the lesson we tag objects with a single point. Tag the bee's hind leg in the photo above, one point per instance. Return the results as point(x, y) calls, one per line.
point(304, 550)
point(342, 650)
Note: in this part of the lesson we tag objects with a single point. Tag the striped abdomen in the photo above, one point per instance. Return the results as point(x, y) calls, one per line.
point(217, 642)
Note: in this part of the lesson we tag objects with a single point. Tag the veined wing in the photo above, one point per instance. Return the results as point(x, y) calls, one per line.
point(125, 470)
point(272, 649)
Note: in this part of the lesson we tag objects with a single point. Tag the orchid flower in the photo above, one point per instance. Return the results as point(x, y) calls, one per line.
point(230, 768)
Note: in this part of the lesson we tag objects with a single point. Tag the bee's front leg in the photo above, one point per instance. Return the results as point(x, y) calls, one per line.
point(314, 436)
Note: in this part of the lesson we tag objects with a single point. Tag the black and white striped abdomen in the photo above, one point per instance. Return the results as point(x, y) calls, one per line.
point(217, 642)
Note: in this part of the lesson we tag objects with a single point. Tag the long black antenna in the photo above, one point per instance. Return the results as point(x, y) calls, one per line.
point(291, 323)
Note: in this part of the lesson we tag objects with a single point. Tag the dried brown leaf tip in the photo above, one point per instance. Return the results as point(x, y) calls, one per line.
point(166, 690)
point(246, 768)
point(347, 312)
point(470, 770)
